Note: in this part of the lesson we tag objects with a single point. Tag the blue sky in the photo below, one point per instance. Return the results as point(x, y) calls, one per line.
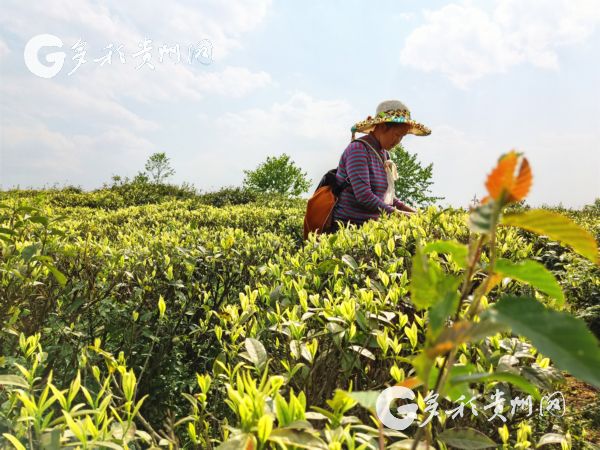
point(292, 77)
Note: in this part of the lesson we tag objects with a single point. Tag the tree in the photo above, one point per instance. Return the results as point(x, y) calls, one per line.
point(414, 179)
point(277, 175)
point(158, 168)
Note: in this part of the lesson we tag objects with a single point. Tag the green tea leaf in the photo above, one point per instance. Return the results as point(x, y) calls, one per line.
point(533, 273)
point(244, 441)
point(465, 438)
point(481, 219)
point(558, 335)
point(483, 329)
point(551, 438)
point(457, 250)
point(264, 427)
point(13, 380)
point(407, 444)
point(40, 219)
point(256, 351)
point(58, 275)
point(366, 399)
point(289, 437)
point(51, 440)
point(512, 378)
point(453, 390)
point(28, 252)
point(423, 279)
point(429, 285)
point(328, 266)
point(14, 441)
point(442, 310)
point(162, 306)
point(557, 227)
point(350, 262)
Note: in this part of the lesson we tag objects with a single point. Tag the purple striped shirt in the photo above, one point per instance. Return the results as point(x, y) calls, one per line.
point(363, 198)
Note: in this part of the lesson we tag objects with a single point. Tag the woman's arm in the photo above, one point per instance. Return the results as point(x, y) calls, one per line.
point(357, 170)
point(403, 206)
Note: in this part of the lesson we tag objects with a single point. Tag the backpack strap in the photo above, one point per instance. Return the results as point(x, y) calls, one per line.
point(340, 187)
point(374, 151)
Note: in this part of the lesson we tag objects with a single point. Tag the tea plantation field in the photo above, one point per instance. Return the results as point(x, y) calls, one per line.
point(174, 323)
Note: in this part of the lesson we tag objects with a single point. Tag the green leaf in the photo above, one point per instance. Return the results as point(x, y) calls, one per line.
point(256, 351)
point(429, 285)
point(350, 262)
point(107, 444)
point(558, 335)
point(453, 390)
point(363, 351)
point(465, 438)
point(28, 252)
point(366, 399)
point(264, 427)
point(557, 227)
point(512, 378)
point(296, 438)
point(407, 444)
point(457, 250)
point(485, 328)
point(40, 219)
point(51, 440)
point(13, 380)
point(244, 441)
point(58, 275)
point(14, 441)
point(328, 266)
point(423, 366)
point(423, 279)
point(481, 219)
point(162, 306)
point(441, 310)
point(551, 438)
point(531, 272)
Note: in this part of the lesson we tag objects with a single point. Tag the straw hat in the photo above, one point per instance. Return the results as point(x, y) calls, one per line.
point(390, 111)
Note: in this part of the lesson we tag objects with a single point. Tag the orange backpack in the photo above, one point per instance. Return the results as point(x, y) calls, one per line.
point(319, 209)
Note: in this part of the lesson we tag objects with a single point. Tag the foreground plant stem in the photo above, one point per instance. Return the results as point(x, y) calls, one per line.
point(450, 358)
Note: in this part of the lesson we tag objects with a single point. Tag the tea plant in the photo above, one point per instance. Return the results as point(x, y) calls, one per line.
point(229, 332)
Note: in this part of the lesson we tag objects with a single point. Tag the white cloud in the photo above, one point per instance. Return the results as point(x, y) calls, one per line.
point(406, 16)
point(231, 81)
point(300, 116)
point(224, 23)
point(36, 98)
point(129, 23)
point(4, 50)
point(465, 42)
point(169, 82)
point(37, 150)
point(77, 122)
point(461, 163)
point(314, 132)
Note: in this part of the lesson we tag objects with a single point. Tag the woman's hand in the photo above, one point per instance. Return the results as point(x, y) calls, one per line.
point(403, 213)
point(401, 206)
point(408, 209)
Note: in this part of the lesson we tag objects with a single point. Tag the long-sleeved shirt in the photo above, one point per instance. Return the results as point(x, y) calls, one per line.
point(363, 198)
